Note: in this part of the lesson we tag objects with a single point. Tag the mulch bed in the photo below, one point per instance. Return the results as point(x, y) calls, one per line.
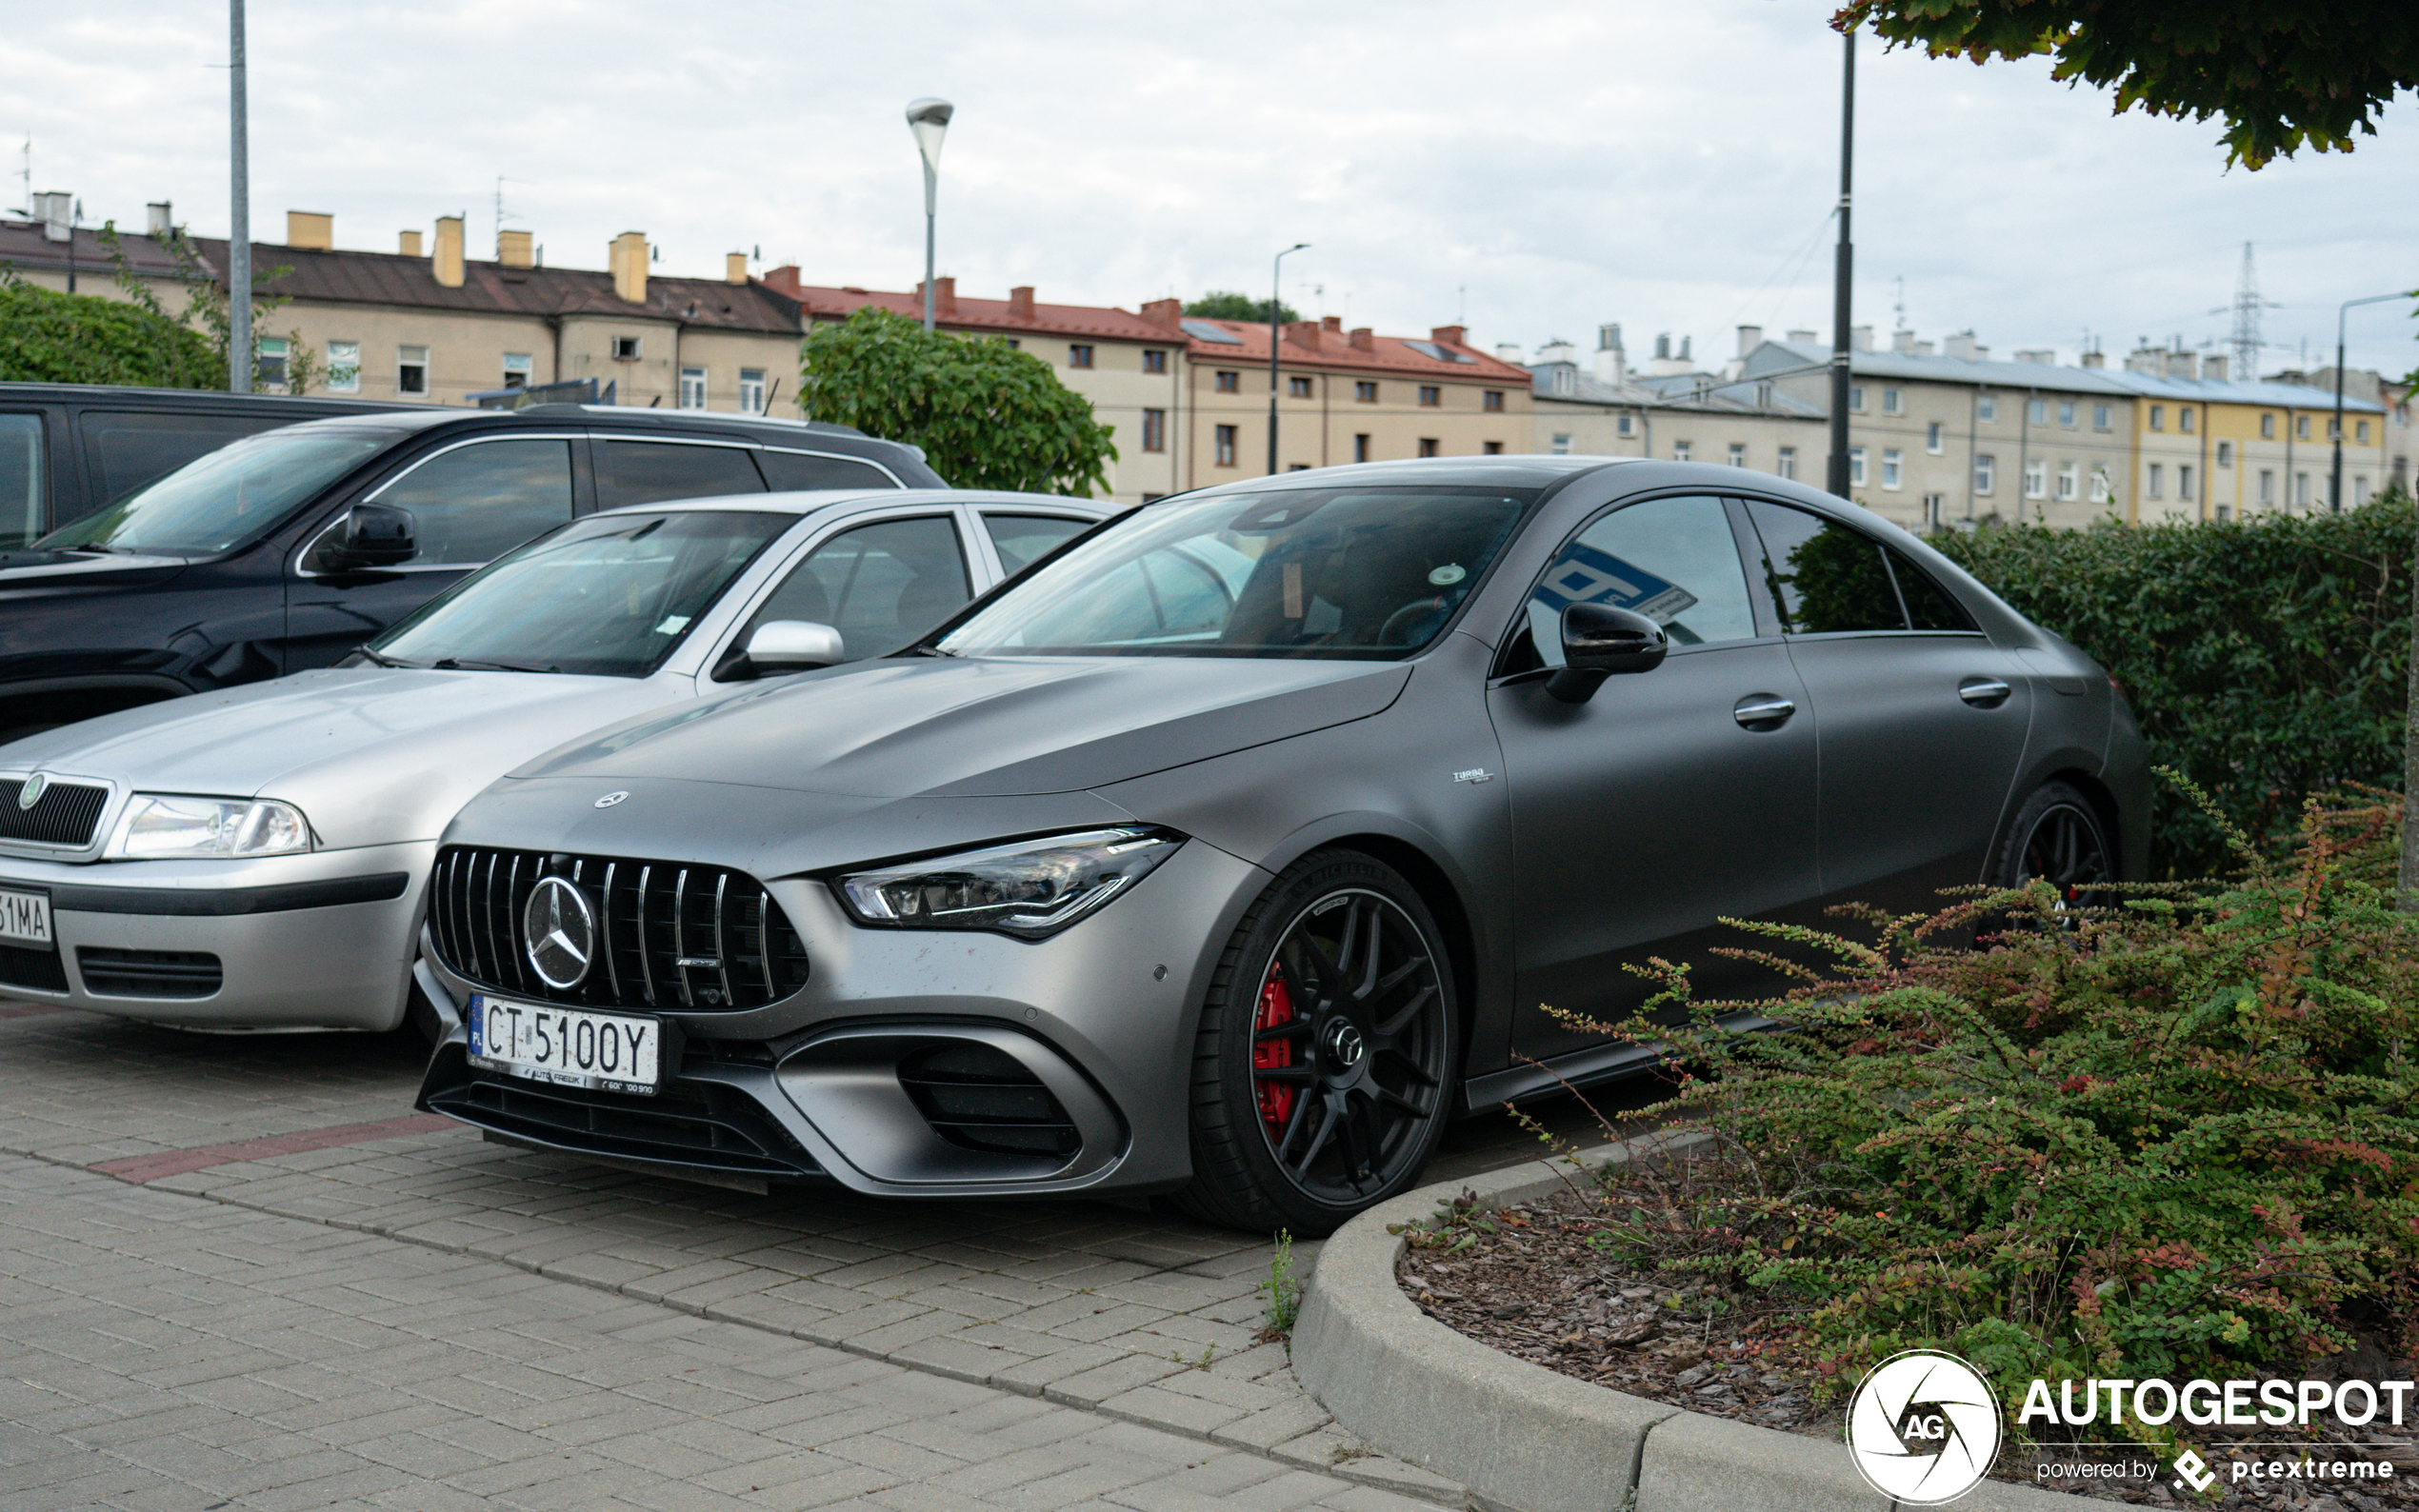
point(1535, 1288)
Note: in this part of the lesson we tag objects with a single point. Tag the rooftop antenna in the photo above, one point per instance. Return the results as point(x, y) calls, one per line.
point(1461, 305)
point(1898, 305)
point(501, 214)
point(27, 173)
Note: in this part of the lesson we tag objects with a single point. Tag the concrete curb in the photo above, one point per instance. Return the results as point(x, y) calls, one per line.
point(1525, 1439)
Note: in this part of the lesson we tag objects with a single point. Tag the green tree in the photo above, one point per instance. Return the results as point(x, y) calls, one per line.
point(46, 336)
point(2282, 73)
point(1225, 304)
point(986, 415)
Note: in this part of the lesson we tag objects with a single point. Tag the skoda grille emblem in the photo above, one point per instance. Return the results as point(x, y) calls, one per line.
point(34, 788)
point(558, 933)
point(1344, 1042)
point(610, 799)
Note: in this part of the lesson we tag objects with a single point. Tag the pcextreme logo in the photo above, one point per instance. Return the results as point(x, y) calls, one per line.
point(1922, 1427)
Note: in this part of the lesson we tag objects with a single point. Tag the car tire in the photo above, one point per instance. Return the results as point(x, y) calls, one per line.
point(2056, 835)
point(1320, 1087)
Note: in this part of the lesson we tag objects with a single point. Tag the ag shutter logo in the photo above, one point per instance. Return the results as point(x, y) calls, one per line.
point(1922, 1427)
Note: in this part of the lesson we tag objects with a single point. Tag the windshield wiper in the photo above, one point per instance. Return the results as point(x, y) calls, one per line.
point(464, 664)
point(931, 650)
point(381, 658)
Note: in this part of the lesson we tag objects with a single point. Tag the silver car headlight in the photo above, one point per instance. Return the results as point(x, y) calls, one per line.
point(1028, 888)
point(169, 826)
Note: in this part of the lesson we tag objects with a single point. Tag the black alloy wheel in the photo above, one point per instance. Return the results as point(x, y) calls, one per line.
point(2056, 838)
point(1322, 1078)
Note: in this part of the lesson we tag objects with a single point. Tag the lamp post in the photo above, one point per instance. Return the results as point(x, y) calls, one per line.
point(929, 118)
point(2335, 482)
point(239, 229)
point(1843, 263)
point(1277, 270)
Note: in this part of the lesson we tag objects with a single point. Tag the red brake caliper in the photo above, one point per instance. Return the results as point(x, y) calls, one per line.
point(1276, 1008)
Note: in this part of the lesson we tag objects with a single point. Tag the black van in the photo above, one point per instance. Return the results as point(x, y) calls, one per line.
point(66, 449)
point(286, 549)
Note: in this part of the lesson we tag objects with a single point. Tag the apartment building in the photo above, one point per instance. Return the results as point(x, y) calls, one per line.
point(1342, 395)
point(1131, 368)
point(1669, 409)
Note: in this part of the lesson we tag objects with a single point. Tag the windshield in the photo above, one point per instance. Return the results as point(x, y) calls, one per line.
point(218, 501)
point(609, 596)
point(1310, 572)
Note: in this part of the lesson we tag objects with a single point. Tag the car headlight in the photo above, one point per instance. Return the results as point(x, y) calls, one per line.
point(1028, 888)
point(161, 826)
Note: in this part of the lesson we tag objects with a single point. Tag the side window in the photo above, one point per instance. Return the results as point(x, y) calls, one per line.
point(880, 584)
point(1022, 539)
point(1929, 608)
point(125, 450)
point(1826, 578)
point(1672, 560)
point(785, 471)
point(22, 495)
point(475, 503)
point(647, 471)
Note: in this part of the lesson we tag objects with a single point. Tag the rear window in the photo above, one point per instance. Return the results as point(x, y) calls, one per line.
point(22, 494)
point(653, 472)
point(785, 471)
point(126, 449)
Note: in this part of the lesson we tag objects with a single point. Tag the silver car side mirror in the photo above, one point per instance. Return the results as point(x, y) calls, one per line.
point(793, 646)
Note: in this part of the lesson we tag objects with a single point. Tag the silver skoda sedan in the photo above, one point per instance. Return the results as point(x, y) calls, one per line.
point(254, 859)
point(1232, 851)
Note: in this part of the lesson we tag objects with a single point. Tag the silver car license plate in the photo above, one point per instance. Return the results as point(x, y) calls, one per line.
point(609, 1052)
point(25, 918)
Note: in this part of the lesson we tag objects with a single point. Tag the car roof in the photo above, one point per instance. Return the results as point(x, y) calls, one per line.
point(804, 501)
point(1513, 470)
point(761, 428)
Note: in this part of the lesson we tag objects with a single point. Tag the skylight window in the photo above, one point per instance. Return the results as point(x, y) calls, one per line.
point(1442, 354)
point(1202, 330)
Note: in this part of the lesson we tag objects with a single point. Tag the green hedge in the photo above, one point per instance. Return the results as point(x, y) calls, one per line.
point(2266, 659)
point(46, 336)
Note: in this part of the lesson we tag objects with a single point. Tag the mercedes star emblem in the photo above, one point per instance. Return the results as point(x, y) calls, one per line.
point(1345, 1045)
point(558, 933)
point(34, 788)
point(610, 799)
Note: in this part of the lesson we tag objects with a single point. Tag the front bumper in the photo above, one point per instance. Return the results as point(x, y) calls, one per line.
point(322, 941)
point(913, 1063)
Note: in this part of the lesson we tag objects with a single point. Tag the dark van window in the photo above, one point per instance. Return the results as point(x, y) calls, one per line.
point(785, 471)
point(880, 586)
point(1022, 539)
point(126, 449)
point(1826, 578)
point(475, 503)
point(647, 471)
point(21, 490)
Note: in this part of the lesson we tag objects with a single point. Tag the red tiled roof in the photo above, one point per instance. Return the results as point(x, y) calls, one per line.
point(1017, 313)
point(1325, 344)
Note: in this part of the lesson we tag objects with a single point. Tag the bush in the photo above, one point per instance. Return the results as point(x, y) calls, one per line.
point(46, 336)
point(2172, 1138)
point(2265, 659)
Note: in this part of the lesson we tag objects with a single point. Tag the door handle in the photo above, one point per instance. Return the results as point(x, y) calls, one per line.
point(1763, 711)
point(1983, 692)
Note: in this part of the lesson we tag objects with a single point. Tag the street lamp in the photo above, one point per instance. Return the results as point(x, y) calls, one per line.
point(1277, 270)
point(2335, 484)
point(1843, 264)
point(929, 118)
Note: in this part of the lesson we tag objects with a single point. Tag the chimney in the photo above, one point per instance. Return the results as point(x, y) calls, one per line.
point(1164, 312)
point(311, 229)
point(735, 267)
point(53, 209)
point(1333, 322)
point(1860, 338)
point(1608, 336)
point(1663, 348)
point(1363, 339)
point(785, 278)
point(943, 295)
point(1921, 349)
point(1612, 363)
point(1020, 301)
point(2213, 367)
point(626, 257)
point(2042, 357)
point(1684, 348)
point(1558, 351)
point(1903, 342)
point(1508, 351)
point(407, 243)
point(515, 249)
point(2183, 364)
point(1961, 343)
point(1303, 333)
point(2094, 359)
point(1750, 337)
point(449, 258)
point(2146, 360)
point(159, 220)
point(1450, 335)
point(1805, 337)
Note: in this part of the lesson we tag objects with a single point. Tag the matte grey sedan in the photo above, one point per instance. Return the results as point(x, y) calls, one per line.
point(1229, 852)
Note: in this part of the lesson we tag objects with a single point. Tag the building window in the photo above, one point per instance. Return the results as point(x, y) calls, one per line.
point(2101, 417)
point(271, 366)
point(411, 370)
point(2267, 487)
point(2360, 432)
point(2267, 427)
point(2226, 453)
point(693, 388)
point(1986, 472)
point(1493, 402)
point(1893, 467)
point(1229, 383)
point(1856, 397)
point(1298, 388)
point(1788, 468)
point(2184, 481)
point(1226, 446)
point(626, 349)
point(1931, 438)
point(1428, 446)
point(1012, 343)
point(516, 369)
point(1738, 454)
point(1625, 425)
point(1890, 405)
point(1493, 448)
point(1682, 451)
point(2157, 485)
point(1562, 441)
point(1931, 511)
point(1078, 355)
point(1154, 430)
point(2301, 490)
point(2301, 427)
point(1987, 408)
point(344, 367)
point(1856, 466)
point(751, 390)
point(2036, 479)
point(1361, 446)
point(1154, 360)
point(1430, 396)
point(2066, 413)
point(2158, 417)
point(1365, 393)
point(2184, 419)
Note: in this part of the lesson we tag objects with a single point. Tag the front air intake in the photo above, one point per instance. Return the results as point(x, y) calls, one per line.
point(981, 1098)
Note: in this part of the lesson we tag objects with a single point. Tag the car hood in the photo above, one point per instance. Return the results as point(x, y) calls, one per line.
point(960, 728)
point(27, 571)
point(372, 755)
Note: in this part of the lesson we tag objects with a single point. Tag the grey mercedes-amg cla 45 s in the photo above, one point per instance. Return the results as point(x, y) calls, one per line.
point(1230, 852)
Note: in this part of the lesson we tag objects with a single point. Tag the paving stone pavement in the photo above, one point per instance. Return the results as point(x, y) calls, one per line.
point(1116, 1315)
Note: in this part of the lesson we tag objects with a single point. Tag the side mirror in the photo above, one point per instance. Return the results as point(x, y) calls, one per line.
point(369, 536)
point(791, 646)
point(1599, 641)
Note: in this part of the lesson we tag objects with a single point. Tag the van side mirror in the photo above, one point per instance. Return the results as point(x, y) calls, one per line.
point(783, 646)
point(1599, 641)
point(367, 537)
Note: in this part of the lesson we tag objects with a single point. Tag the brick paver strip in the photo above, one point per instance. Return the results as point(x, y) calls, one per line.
point(142, 1168)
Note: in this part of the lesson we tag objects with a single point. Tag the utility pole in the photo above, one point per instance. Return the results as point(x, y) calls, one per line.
point(1842, 272)
point(1276, 273)
point(2335, 481)
point(239, 231)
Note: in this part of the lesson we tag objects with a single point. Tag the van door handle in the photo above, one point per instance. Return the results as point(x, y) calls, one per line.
point(1763, 711)
point(1983, 692)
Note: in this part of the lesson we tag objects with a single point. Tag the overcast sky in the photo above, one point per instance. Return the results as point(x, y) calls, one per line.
point(1536, 169)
